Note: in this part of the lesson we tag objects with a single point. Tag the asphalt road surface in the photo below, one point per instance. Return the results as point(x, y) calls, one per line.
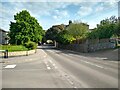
point(52, 68)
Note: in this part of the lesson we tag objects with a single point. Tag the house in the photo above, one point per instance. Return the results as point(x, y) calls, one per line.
point(90, 30)
point(3, 36)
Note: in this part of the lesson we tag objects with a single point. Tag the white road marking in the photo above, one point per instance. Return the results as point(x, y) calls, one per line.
point(54, 65)
point(10, 66)
point(106, 59)
point(46, 63)
point(45, 56)
point(69, 80)
point(102, 58)
point(48, 68)
point(114, 62)
point(50, 61)
point(93, 64)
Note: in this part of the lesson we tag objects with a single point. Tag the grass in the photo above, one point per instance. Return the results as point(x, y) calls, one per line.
point(13, 48)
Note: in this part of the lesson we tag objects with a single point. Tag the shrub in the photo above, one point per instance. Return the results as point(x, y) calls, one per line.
point(65, 38)
point(30, 45)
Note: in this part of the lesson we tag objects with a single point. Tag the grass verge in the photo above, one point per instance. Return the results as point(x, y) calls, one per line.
point(13, 48)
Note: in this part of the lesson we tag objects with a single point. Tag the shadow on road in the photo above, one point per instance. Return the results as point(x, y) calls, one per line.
point(110, 54)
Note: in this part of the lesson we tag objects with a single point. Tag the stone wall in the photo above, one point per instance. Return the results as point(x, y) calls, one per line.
point(89, 45)
point(100, 46)
point(74, 47)
point(19, 53)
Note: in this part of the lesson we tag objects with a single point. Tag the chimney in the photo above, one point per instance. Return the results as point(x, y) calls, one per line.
point(70, 21)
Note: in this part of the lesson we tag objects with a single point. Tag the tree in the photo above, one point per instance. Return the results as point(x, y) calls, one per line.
point(52, 32)
point(106, 29)
point(78, 30)
point(64, 38)
point(26, 28)
point(93, 34)
point(117, 28)
point(65, 34)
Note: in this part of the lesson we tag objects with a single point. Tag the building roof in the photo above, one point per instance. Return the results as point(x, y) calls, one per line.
point(3, 30)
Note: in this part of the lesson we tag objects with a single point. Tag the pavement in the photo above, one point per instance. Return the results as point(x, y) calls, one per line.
point(34, 71)
point(53, 68)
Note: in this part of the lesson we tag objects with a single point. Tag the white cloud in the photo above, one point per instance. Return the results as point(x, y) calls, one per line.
point(94, 7)
point(52, 10)
point(83, 11)
point(57, 0)
point(60, 14)
point(98, 9)
point(86, 8)
point(110, 4)
point(9, 9)
point(55, 17)
point(40, 8)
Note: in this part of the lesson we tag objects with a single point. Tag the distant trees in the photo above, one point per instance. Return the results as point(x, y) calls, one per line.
point(53, 32)
point(25, 29)
point(106, 29)
point(117, 28)
point(65, 34)
point(78, 29)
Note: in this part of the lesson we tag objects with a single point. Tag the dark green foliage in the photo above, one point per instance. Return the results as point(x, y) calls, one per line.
point(25, 29)
point(117, 29)
point(65, 34)
point(64, 38)
point(30, 45)
point(57, 33)
point(106, 29)
point(78, 29)
point(93, 34)
point(53, 32)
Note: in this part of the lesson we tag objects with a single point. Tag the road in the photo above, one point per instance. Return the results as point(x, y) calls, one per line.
point(52, 68)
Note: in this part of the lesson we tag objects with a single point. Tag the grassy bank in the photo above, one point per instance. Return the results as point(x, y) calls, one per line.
point(13, 48)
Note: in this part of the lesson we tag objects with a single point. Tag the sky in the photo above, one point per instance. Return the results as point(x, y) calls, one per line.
point(54, 12)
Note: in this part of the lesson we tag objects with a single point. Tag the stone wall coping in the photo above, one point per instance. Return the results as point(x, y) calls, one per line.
point(19, 53)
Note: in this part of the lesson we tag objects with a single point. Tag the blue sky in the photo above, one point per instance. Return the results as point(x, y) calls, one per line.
point(53, 13)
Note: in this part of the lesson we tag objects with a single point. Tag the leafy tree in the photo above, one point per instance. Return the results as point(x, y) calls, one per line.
point(52, 33)
point(78, 30)
point(117, 28)
point(26, 28)
point(65, 34)
point(93, 34)
point(106, 29)
point(64, 38)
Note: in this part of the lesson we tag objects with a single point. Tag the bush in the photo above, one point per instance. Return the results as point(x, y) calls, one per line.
point(30, 45)
point(65, 38)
